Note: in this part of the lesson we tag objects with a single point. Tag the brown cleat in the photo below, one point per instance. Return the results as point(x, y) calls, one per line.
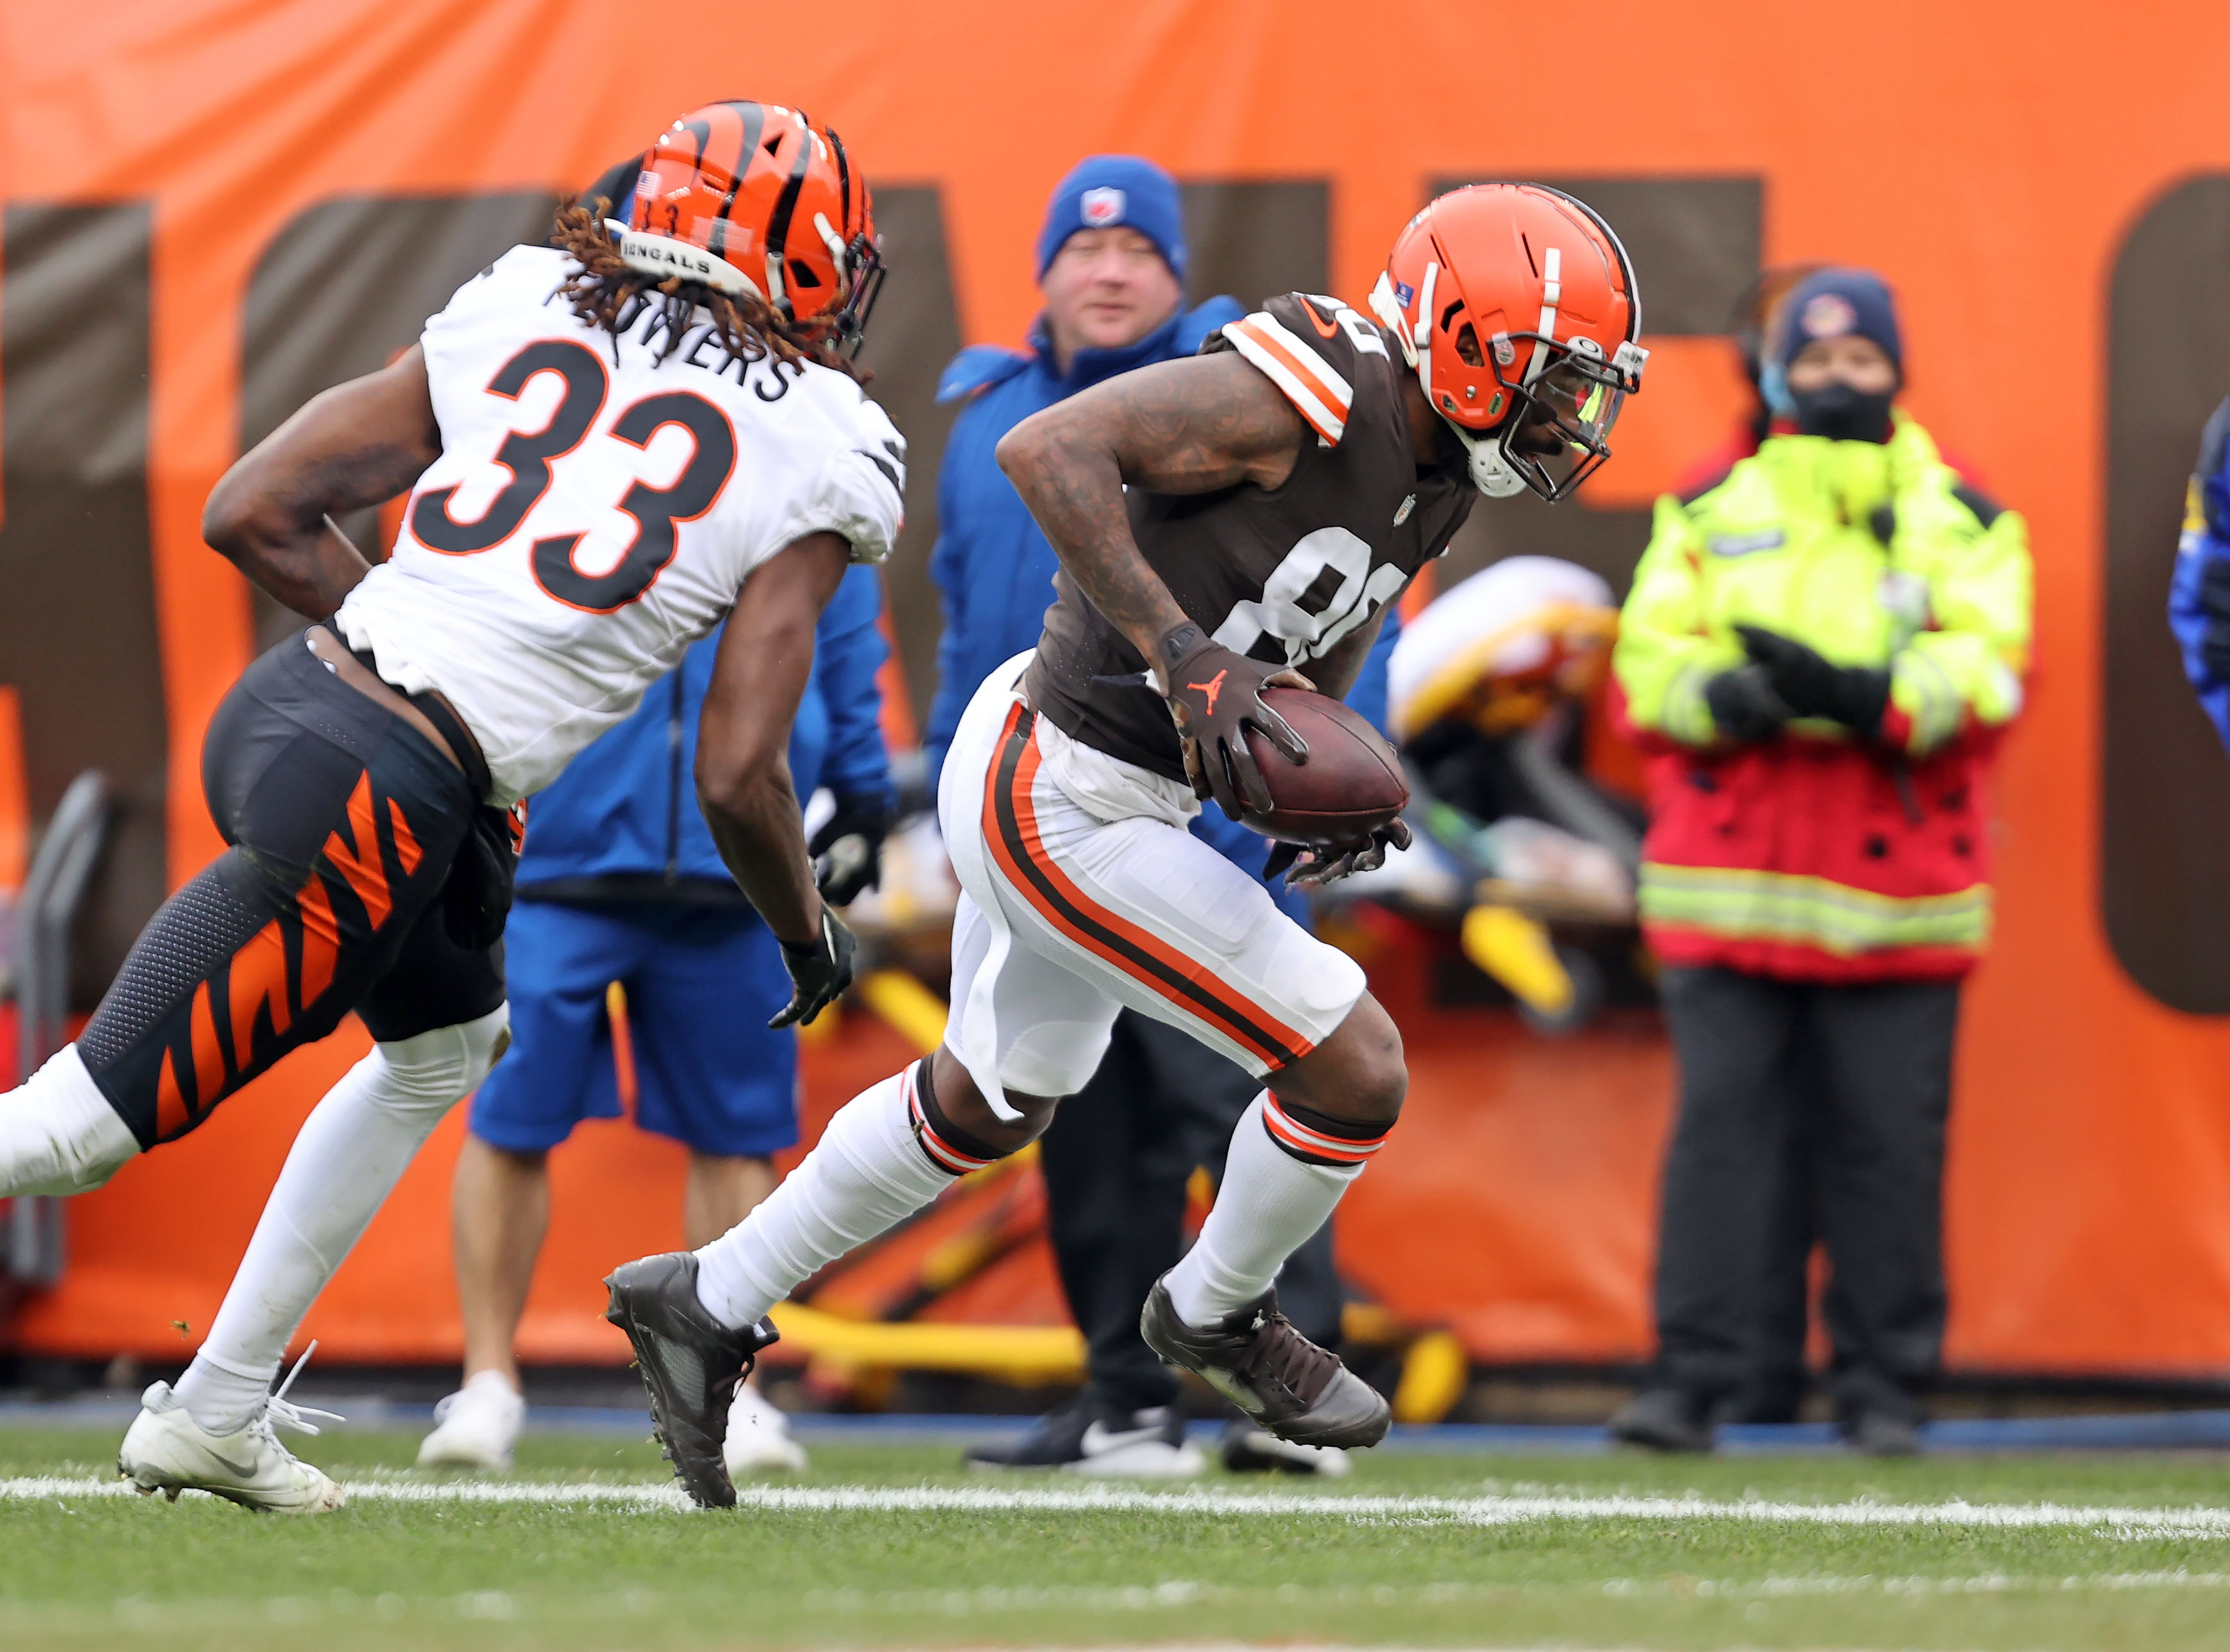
point(1256, 1359)
point(690, 1364)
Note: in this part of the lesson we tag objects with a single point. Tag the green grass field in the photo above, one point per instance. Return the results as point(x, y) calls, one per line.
point(1442, 1549)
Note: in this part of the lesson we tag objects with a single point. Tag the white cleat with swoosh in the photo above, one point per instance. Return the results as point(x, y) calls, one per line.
point(166, 1451)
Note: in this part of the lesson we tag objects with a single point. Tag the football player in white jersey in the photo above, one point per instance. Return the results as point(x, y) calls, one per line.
point(612, 444)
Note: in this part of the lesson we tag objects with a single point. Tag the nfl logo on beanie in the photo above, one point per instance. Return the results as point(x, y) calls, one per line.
point(1103, 191)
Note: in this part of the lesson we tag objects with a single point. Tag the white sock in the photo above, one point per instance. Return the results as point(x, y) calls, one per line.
point(352, 1149)
point(491, 1378)
point(1270, 1203)
point(868, 1174)
point(58, 1133)
point(219, 1396)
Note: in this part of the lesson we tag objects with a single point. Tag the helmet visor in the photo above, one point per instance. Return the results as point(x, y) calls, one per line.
point(1560, 430)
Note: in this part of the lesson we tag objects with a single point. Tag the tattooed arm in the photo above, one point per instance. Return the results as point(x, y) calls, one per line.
point(358, 444)
point(1182, 427)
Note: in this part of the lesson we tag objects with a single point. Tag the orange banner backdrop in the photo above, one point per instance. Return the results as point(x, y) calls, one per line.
point(1972, 153)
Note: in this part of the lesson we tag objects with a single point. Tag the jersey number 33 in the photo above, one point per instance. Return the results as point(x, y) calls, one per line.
point(529, 455)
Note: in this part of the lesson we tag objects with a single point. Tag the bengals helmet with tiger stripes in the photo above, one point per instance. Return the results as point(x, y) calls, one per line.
point(1517, 307)
point(753, 197)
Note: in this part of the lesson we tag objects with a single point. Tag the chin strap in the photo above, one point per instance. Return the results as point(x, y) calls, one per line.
point(1490, 472)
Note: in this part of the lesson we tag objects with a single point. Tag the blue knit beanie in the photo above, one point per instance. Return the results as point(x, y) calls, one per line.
point(1837, 301)
point(1104, 190)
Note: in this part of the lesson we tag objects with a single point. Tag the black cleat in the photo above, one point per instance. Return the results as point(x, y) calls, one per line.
point(1256, 1359)
point(1664, 1419)
point(1088, 1437)
point(1883, 1434)
point(690, 1364)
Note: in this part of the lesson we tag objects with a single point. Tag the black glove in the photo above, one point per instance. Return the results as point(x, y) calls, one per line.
point(476, 895)
point(847, 852)
point(1744, 705)
point(819, 970)
point(1313, 867)
point(1855, 696)
point(1215, 694)
point(2214, 603)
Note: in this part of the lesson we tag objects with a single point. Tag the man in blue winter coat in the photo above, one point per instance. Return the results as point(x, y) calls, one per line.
point(1117, 1158)
point(619, 881)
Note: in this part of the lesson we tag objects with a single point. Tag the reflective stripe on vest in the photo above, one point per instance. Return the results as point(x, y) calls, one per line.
point(1810, 911)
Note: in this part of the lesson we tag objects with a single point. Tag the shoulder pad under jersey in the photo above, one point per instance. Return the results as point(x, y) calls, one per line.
point(1313, 348)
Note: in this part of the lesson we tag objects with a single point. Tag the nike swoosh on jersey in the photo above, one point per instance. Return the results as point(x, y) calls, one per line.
point(1325, 329)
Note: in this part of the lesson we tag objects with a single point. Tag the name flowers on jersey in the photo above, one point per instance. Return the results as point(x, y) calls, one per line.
point(642, 322)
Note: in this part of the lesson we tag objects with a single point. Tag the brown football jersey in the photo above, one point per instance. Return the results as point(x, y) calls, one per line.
point(1279, 573)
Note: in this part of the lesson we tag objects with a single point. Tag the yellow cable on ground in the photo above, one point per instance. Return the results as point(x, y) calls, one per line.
point(918, 1013)
point(1514, 950)
point(1026, 1355)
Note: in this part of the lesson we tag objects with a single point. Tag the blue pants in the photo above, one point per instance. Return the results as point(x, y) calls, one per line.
point(700, 983)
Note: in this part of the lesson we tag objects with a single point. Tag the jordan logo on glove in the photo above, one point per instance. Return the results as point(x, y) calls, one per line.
point(1213, 687)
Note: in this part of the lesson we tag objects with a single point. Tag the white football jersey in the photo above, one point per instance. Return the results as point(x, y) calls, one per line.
point(595, 510)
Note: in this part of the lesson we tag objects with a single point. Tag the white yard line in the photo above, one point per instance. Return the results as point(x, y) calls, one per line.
point(1139, 1597)
point(2203, 1522)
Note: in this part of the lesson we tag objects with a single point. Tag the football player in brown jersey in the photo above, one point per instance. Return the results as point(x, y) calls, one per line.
point(1224, 523)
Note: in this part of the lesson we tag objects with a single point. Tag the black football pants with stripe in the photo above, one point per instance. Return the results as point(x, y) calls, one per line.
point(1116, 1160)
point(344, 819)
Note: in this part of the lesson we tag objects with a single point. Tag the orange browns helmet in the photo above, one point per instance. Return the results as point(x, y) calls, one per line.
point(753, 197)
point(1516, 305)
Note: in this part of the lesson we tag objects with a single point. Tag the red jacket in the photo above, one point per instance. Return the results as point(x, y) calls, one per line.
point(1818, 855)
point(1859, 818)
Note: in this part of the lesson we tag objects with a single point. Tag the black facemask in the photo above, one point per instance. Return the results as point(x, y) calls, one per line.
point(1841, 414)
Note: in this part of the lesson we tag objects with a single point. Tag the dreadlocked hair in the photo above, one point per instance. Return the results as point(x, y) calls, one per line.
point(605, 289)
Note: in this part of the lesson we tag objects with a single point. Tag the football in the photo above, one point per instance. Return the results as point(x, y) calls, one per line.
point(1351, 784)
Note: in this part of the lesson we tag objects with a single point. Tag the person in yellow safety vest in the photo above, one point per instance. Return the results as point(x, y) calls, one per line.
point(1818, 655)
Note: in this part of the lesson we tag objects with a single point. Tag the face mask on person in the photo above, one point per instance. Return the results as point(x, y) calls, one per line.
point(1842, 414)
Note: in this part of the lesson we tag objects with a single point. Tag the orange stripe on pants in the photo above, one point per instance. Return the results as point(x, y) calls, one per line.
point(1208, 999)
point(256, 979)
point(361, 864)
